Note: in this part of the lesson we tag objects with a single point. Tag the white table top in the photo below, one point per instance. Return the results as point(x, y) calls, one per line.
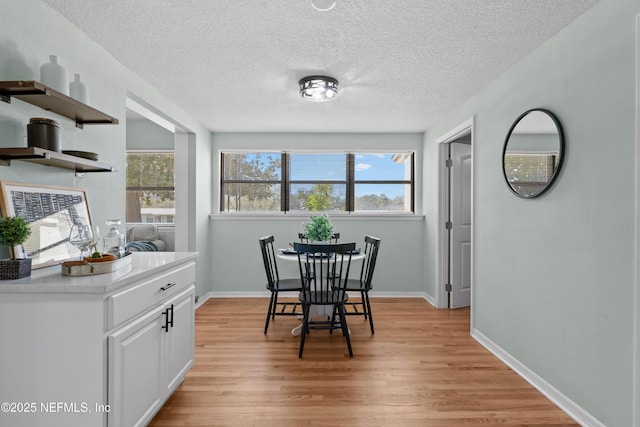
point(294, 256)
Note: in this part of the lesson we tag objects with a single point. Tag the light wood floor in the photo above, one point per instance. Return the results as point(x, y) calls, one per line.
point(421, 368)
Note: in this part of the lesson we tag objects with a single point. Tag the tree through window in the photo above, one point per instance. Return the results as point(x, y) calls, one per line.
point(150, 187)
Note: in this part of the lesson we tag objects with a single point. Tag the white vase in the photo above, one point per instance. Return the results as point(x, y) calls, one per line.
point(54, 75)
point(78, 90)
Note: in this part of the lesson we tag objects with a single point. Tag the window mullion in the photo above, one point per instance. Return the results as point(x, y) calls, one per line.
point(284, 185)
point(350, 182)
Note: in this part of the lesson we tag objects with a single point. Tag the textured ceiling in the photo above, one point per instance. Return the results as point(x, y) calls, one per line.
point(401, 64)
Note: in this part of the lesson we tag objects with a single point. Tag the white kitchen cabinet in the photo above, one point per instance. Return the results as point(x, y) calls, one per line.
point(148, 359)
point(92, 351)
point(135, 377)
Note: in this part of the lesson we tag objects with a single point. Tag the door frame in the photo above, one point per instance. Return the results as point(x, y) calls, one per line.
point(442, 252)
point(636, 264)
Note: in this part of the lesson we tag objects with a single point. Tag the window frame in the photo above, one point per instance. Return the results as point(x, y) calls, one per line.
point(285, 181)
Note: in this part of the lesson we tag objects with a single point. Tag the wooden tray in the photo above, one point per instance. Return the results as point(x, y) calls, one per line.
point(88, 268)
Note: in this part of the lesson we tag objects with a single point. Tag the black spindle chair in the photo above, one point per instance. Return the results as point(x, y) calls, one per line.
point(324, 271)
point(276, 285)
point(363, 284)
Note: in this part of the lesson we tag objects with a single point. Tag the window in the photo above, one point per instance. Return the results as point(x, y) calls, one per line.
point(291, 182)
point(150, 186)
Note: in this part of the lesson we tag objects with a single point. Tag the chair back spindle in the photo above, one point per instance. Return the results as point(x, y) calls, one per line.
point(371, 246)
point(304, 239)
point(269, 259)
point(324, 270)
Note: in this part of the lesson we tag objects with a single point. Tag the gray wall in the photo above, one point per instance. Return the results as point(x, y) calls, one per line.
point(143, 134)
point(236, 264)
point(554, 276)
point(30, 32)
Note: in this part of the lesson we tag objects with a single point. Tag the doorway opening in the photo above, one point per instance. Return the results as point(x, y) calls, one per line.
point(454, 266)
point(155, 140)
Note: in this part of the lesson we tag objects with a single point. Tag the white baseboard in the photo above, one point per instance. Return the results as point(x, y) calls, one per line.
point(249, 294)
point(563, 402)
point(431, 300)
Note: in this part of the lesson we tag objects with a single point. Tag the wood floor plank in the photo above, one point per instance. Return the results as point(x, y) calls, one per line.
point(421, 368)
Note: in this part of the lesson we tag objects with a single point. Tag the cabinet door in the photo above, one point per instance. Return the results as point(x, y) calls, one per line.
point(136, 362)
point(180, 338)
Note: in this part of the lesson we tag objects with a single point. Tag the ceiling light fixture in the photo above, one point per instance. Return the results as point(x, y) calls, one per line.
point(318, 88)
point(323, 5)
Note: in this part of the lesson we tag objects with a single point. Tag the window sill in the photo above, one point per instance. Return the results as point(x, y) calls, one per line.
point(279, 216)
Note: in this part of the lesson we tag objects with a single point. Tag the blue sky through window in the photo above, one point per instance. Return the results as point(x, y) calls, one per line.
point(378, 167)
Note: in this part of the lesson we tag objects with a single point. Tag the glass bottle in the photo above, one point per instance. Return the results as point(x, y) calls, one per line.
point(114, 241)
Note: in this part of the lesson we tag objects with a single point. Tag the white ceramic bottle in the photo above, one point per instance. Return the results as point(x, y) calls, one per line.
point(54, 75)
point(78, 90)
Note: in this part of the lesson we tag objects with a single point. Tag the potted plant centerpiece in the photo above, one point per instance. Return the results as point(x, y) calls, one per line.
point(14, 230)
point(319, 229)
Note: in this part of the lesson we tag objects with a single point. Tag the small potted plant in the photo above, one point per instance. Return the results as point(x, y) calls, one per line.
point(319, 229)
point(14, 230)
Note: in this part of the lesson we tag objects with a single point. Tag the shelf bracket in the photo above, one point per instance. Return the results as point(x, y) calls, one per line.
point(79, 174)
point(5, 162)
point(5, 98)
point(79, 125)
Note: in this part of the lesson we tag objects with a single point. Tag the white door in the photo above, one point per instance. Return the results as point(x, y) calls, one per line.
point(460, 218)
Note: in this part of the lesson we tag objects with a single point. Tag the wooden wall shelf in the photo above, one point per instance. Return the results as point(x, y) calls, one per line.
point(53, 158)
point(43, 96)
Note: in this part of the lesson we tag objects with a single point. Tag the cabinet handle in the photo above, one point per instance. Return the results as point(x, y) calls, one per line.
point(164, 288)
point(171, 321)
point(166, 320)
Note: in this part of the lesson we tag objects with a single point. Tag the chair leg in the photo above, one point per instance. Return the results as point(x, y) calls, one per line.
point(333, 318)
point(345, 328)
point(366, 300)
point(275, 305)
point(305, 328)
point(269, 311)
point(364, 305)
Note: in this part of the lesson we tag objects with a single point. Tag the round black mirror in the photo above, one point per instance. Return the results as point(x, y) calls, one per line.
point(532, 153)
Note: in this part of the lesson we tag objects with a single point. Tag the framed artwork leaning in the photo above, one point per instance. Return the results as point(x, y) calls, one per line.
point(51, 212)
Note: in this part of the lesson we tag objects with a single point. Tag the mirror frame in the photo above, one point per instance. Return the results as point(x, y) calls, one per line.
point(560, 152)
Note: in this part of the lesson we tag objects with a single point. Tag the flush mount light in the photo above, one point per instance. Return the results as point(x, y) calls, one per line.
point(323, 5)
point(318, 88)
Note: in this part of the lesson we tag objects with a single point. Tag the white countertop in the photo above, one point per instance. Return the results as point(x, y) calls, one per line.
point(51, 280)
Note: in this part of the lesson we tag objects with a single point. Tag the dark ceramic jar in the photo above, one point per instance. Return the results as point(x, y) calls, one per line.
point(43, 133)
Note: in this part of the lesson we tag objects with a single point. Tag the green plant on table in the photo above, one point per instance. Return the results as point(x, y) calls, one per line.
point(319, 229)
point(14, 231)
